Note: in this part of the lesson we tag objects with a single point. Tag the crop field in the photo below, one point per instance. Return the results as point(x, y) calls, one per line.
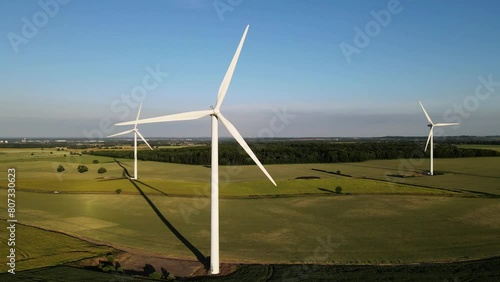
point(346, 228)
point(38, 172)
point(37, 248)
point(466, 174)
point(482, 270)
point(388, 211)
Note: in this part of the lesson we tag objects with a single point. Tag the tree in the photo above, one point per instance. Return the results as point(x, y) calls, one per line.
point(82, 168)
point(95, 161)
point(60, 168)
point(101, 170)
point(118, 191)
point(338, 190)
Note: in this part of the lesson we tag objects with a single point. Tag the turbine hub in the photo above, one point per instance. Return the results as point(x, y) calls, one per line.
point(215, 110)
point(430, 125)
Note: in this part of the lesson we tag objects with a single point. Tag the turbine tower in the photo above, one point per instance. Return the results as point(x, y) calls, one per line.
point(431, 126)
point(215, 116)
point(136, 132)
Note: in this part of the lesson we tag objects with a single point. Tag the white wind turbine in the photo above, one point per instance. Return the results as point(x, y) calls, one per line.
point(136, 132)
point(431, 136)
point(215, 115)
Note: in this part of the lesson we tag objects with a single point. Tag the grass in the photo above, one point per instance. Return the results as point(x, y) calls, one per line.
point(38, 176)
point(482, 270)
point(381, 222)
point(464, 271)
point(470, 174)
point(39, 173)
point(66, 273)
point(37, 248)
point(346, 230)
point(386, 220)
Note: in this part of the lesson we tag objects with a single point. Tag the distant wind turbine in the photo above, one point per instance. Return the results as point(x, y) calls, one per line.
point(431, 136)
point(215, 115)
point(136, 132)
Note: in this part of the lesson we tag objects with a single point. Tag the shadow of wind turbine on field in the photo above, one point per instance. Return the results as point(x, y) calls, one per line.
point(125, 173)
point(153, 188)
point(201, 258)
point(326, 190)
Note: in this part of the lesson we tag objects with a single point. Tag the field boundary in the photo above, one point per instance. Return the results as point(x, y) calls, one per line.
point(272, 196)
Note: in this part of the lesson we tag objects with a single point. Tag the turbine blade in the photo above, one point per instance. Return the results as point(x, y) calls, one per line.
point(121, 133)
point(425, 112)
point(143, 139)
point(174, 117)
point(138, 114)
point(229, 74)
point(428, 139)
point(230, 127)
point(446, 124)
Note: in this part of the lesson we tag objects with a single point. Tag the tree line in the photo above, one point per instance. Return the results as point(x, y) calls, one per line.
point(299, 152)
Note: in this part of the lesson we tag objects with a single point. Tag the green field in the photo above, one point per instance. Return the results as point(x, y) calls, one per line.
point(37, 248)
point(466, 174)
point(358, 229)
point(388, 213)
point(482, 270)
point(39, 173)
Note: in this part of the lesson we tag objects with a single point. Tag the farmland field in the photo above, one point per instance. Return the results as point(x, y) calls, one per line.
point(415, 228)
point(388, 211)
point(466, 174)
point(38, 172)
point(39, 248)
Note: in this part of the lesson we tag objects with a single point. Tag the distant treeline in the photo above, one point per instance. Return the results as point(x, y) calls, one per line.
point(299, 152)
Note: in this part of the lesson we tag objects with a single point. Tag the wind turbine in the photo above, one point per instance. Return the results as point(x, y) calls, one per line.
point(136, 132)
point(431, 126)
point(215, 115)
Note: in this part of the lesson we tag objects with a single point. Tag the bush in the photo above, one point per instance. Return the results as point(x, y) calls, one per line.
point(110, 258)
point(101, 170)
point(156, 275)
point(82, 169)
point(118, 191)
point(95, 161)
point(338, 171)
point(60, 168)
point(338, 190)
point(106, 269)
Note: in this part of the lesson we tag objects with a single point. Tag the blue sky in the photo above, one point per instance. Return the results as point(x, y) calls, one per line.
point(69, 76)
